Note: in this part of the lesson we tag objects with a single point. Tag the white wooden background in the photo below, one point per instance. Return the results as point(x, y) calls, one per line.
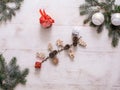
point(94, 68)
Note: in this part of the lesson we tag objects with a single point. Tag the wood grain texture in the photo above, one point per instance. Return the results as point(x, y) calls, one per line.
point(93, 68)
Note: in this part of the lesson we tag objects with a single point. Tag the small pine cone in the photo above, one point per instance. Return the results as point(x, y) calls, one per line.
point(53, 54)
point(82, 43)
point(55, 61)
point(67, 46)
point(75, 44)
point(75, 39)
point(50, 47)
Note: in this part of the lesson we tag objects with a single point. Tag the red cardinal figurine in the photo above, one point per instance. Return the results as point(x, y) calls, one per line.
point(45, 20)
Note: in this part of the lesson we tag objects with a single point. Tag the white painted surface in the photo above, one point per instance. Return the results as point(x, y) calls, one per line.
point(94, 68)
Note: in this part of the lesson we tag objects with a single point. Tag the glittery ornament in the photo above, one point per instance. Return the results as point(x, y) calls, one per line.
point(40, 55)
point(82, 43)
point(50, 47)
point(59, 43)
point(71, 53)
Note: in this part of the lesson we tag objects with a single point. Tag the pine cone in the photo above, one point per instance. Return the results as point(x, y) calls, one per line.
point(53, 54)
point(67, 46)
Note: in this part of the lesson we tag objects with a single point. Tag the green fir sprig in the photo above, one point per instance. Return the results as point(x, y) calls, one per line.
point(10, 74)
point(107, 7)
point(8, 9)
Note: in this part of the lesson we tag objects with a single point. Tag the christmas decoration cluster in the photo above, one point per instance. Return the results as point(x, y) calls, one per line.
point(99, 14)
point(103, 13)
point(67, 47)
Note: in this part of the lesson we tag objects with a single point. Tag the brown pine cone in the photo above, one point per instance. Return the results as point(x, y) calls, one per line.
point(67, 46)
point(75, 39)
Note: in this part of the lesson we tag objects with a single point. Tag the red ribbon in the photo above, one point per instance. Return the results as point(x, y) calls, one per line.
point(45, 20)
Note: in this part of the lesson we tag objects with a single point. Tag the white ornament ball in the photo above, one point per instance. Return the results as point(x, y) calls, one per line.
point(115, 19)
point(98, 18)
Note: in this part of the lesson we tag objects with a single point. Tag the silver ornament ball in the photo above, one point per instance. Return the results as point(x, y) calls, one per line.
point(98, 18)
point(115, 19)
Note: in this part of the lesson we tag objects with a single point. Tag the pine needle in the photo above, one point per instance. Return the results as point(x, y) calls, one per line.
point(6, 11)
point(108, 8)
point(10, 74)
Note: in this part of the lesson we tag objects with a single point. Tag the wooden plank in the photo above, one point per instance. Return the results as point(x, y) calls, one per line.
point(95, 67)
point(86, 71)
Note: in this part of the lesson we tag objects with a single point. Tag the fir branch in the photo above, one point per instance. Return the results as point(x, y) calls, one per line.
point(108, 8)
point(6, 11)
point(107, 1)
point(84, 6)
point(114, 32)
point(100, 28)
point(92, 2)
point(24, 74)
point(86, 20)
point(107, 21)
point(110, 33)
point(84, 12)
point(116, 9)
point(11, 75)
point(115, 39)
point(92, 25)
point(118, 31)
point(89, 17)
